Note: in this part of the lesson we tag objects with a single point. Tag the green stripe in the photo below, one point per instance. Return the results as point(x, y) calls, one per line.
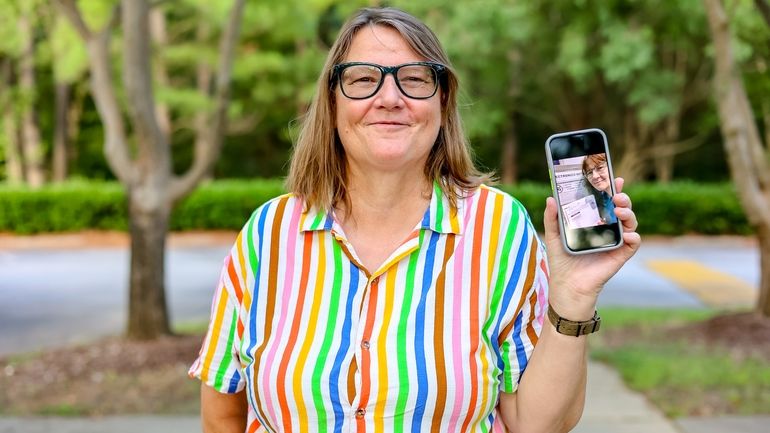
point(439, 208)
point(254, 263)
point(507, 374)
point(319, 217)
point(318, 393)
point(403, 367)
point(497, 293)
point(228, 356)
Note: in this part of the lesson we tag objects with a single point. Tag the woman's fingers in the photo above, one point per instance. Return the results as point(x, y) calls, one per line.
point(619, 182)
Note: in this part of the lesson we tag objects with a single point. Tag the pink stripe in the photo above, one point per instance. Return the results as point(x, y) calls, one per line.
point(456, 322)
point(289, 280)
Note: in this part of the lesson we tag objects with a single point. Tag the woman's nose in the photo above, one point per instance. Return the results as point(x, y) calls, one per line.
point(389, 94)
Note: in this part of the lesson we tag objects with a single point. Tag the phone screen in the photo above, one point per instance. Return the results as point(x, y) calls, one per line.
point(583, 187)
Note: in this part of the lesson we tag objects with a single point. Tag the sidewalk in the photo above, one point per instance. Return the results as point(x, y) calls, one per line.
point(613, 408)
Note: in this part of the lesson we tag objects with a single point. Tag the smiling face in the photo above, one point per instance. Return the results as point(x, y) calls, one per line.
point(388, 131)
point(595, 170)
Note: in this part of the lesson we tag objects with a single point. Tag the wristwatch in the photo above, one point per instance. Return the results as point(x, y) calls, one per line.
point(574, 329)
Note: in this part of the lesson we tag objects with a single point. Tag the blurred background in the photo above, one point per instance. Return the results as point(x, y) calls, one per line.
point(122, 121)
point(640, 70)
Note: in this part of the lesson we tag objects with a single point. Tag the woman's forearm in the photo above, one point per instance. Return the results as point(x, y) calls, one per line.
point(551, 393)
point(223, 413)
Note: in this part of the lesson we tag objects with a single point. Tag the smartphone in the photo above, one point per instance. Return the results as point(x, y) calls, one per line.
point(583, 185)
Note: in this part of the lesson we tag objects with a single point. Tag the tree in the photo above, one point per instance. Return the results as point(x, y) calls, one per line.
point(746, 154)
point(145, 168)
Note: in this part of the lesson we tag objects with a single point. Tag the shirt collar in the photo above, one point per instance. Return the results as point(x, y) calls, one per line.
point(439, 217)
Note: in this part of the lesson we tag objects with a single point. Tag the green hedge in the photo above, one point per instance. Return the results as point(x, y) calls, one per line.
point(673, 209)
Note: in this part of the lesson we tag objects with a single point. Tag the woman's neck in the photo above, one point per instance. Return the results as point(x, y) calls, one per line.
point(381, 198)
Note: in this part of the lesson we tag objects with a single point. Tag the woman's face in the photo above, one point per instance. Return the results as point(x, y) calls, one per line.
point(388, 131)
point(597, 174)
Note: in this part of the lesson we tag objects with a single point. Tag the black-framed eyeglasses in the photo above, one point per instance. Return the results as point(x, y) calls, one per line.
point(360, 80)
point(598, 169)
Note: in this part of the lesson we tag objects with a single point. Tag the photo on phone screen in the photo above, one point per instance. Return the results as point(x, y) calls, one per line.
point(583, 187)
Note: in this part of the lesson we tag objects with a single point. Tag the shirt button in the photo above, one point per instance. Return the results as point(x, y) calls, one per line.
point(365, 344)
point(360, 412)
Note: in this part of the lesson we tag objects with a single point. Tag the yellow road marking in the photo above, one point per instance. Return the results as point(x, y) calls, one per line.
point(713, 288)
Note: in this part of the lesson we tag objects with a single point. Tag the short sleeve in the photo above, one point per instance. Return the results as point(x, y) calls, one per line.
point(526, 310)
point(218, 364)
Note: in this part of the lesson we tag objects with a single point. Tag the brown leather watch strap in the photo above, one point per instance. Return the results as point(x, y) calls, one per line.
point(571, 328)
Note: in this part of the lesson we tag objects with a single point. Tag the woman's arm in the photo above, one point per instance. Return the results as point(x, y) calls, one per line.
point(223, 413)
point(551, 394)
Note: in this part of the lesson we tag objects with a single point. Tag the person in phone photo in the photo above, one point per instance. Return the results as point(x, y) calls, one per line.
point(596, 173)
point(391, 288)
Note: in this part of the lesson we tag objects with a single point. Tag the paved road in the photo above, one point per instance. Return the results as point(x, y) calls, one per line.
point(50, 298)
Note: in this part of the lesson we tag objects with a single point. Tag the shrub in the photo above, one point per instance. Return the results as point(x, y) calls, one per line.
point(674, 209)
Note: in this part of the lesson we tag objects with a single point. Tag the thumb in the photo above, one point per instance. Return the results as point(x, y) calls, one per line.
point(551, 222)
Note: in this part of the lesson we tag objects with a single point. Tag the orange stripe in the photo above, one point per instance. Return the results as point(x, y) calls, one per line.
point(270, 301)
point(283, 367)
point(528, 285)
point(474, 305)
point(366, 362)
point(532, 264)
point(254, 426)
point(216, 332)
point(352, 380)
point(246, 302)
point(315, 307)
point(438, 338)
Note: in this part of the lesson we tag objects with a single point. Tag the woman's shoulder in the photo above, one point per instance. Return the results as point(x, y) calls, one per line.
point(279, 206)
point(508, 201)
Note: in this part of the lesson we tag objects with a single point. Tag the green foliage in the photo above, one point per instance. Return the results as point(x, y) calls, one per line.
point(674, 209)
point(223, 204)
point(67, 207)
point(678, 376)
point(683, 207)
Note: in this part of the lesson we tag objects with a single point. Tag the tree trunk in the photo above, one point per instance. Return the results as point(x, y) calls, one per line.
point(13, 166)
point(147, 309)
point(32, 148)
point(746, 155)
point(763, 304)
point(60, 133)
point(203, 77)
point(160, 38)
point(151, 186)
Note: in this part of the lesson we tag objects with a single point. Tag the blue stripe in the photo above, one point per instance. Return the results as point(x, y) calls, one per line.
point(426, 219)
point(419, 335)
point(520, 352)
point(334, 374)
point(329, 222)
point(233, 386)
point(510, 289)
point(257, 271)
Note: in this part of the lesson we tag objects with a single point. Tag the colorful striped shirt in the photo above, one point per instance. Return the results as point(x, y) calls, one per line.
point(423, 344)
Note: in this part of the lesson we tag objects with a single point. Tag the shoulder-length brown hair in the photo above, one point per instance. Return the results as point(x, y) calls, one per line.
point(318, 171)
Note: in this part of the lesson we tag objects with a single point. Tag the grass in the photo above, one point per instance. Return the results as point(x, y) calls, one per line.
point(680, 377)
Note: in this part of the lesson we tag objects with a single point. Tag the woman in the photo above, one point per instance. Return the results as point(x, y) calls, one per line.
point(596, 173)
point(391, 290)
